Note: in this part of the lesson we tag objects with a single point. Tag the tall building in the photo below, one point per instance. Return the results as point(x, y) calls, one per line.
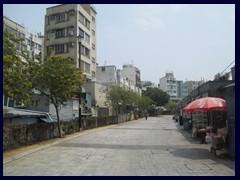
point(169, 84)
point(182, 90)
point(31, 44)
point(132, 73)
point(63, 25)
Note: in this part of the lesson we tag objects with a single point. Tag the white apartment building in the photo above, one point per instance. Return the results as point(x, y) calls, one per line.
point(132, 73)
point(107, 74)
point(63, 24)
point(32, 44)
point(169, 84)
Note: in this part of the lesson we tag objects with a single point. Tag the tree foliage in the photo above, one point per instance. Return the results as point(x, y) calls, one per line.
point(16, 84)
point(160, 97)
point(121, 98)
point(143, 102)
point(171, 107)
point(57, 79)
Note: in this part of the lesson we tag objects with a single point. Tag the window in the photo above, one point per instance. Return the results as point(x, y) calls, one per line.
point(93, 32)
point(93, 19)
point(81, 19)
point(87, 23)
point(49, 48)
point(39, 47)
point(59, 48)
point(60, 33)
point(82, 50)
point(93, 74)
point(81, 32)
point(87, 38)
point(87, 67)
point(93, 46)
point(93, 60)
point(82, 64)
point(67, 48)
point(87, 52)
point(35, 103)
point(103, 68)
point(60, 17)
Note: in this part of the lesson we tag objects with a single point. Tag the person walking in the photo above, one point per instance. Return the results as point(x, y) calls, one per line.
point(146, 116)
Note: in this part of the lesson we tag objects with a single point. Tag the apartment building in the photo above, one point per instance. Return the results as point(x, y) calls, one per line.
point(182, 90)
point(169, 84)
point(107, 75)
point(132, 73)
point(63, 25)
point(31, 44)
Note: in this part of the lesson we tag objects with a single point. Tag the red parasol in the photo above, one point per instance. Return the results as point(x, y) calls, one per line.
point(206, 104)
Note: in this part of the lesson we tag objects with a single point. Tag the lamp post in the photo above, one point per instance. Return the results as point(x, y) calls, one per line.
point(79, 37)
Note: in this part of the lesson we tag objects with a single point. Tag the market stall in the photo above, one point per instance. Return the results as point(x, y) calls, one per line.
point(206, 123)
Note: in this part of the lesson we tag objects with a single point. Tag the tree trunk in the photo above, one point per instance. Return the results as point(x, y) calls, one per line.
point(58, 122)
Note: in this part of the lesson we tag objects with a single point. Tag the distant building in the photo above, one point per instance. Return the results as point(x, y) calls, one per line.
point(31, 44)
point(132, 73)
point(110, 75)
point(148, 84)
point(182, 90)
point(169, 84)
point(107, 74)
point(192, 85)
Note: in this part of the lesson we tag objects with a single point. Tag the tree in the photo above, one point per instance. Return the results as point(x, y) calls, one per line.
point(157, 95)
point(171, 107)
point(120, 98)
point(16, 84)
point(147, 83)
point(57, 79)
point(143, 102)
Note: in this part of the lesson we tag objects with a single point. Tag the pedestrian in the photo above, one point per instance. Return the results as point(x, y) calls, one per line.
point(146, 116)
point(202, 133)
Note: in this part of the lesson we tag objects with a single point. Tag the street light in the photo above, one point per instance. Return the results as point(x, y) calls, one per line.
point(79, 37)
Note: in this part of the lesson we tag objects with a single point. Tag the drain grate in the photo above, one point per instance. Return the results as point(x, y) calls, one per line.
point(197, 167)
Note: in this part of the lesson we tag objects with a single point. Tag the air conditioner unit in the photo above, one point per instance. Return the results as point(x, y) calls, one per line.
point(71, 12)
point(71, 33)
point(71, 44)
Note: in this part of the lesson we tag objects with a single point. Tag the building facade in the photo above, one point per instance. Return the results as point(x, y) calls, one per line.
point(132, 73)
point(107, 74)
point(169, 84)
point(63, 25)
point(192, 85)
point(182, 90)
point(31, 45)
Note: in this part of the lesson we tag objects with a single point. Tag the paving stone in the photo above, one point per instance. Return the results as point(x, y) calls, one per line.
point(156, 147)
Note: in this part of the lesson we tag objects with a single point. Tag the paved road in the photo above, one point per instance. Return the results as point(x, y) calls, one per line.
point(153, 147)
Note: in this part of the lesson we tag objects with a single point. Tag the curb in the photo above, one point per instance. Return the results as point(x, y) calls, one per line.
point(8, 160)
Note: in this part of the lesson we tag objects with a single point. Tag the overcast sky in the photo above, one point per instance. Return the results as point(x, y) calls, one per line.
point(194, 41)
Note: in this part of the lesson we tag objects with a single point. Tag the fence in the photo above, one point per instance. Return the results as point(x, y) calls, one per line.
point(15, 136)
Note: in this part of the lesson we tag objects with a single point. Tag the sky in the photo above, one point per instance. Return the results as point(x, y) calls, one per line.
point(194, 41)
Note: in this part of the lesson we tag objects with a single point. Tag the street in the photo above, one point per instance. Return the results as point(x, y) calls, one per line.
point(153, 147)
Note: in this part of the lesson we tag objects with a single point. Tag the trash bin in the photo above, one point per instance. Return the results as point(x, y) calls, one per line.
point(185, 124)
point(180, 120)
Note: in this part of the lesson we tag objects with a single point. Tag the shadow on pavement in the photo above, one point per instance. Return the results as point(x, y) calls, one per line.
point(202, 151)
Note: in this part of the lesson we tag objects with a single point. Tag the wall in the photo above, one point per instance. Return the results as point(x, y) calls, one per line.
point(15, 136)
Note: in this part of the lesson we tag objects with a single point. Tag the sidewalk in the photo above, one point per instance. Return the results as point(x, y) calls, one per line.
point(14, 154)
